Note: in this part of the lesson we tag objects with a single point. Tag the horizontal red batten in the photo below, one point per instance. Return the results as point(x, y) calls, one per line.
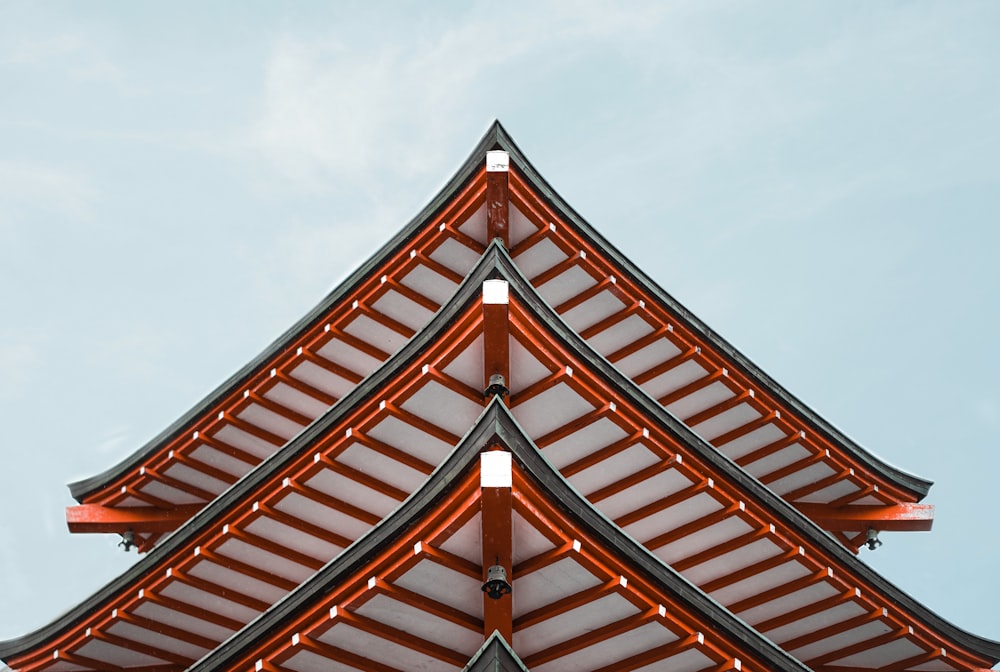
point(893, 518)
point(97, 518)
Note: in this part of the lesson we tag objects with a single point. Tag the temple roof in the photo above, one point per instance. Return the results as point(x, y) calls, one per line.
point(625, 316)
point(631, 421)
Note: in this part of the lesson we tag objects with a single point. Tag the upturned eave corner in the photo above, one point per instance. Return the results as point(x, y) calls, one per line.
point(84, 490)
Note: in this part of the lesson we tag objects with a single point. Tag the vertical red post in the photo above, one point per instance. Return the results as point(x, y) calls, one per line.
point(497, 210)
point(496, 333)
point(496, 480)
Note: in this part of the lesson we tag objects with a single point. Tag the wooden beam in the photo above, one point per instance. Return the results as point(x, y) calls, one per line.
point(891, 518)
point(497, 540)
point(496, 334)
point(497, 197)
point(90, 518)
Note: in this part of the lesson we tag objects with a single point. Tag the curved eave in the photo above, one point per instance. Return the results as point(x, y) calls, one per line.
point(784, 513)
point(496, 424)
point(918, 486)
point(81, 489)
point(246, 488)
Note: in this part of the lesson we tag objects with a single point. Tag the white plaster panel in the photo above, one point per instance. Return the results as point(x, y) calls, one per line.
point(443, 407)
point(268, 420)
point(620, 334)
point(349, 357)
point(300, 402)
point(646, 358)
point(404, 310)
point(455, 255)
point(321, 379)
point(430, 283)
point(583, 442)
point(550, 583)
point(375, 333)
point(751, 441)
point(553, 408)
point(566, 285)
point(593, 310)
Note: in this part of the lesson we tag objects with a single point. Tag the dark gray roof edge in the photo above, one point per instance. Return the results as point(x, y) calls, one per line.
point(785, 512)
point(910, 482)
point(82, 488)
point(497, 423)
point(467, 292)
point(495, 655)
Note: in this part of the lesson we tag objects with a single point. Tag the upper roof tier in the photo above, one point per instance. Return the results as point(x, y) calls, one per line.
point(638, 327)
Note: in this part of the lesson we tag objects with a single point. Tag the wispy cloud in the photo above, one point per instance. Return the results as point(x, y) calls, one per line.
point(331, 109)
point(43, 187)
point(39, 50)
point(81, 57)
point(18, 361)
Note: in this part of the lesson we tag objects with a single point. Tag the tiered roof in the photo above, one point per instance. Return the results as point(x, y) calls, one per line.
point(669, 503)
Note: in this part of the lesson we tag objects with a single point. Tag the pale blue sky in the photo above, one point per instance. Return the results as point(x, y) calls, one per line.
point(818, 181)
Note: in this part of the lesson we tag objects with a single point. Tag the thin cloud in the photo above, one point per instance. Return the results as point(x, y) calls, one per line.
point(42, 187)
point(330, 109)
point(18, 362)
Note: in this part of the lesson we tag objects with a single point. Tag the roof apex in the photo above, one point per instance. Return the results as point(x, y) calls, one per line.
point(495, 655)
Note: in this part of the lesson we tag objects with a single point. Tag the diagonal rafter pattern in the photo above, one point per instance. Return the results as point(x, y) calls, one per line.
point(704, 485)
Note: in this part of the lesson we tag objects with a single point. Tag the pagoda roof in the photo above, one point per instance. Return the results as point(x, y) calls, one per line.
point(331, 592)
point(675, 357)
point(406, 371)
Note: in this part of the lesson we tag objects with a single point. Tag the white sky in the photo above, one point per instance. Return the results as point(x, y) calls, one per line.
point(180, 182)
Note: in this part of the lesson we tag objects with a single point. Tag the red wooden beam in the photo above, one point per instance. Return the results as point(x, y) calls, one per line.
point(497, 197)
point(497, 541)
point(97, 518)
point(496, 334)
point(892, 518)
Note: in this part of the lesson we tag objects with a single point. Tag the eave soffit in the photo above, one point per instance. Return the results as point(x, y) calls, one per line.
point(496, 426)
point(496, 263)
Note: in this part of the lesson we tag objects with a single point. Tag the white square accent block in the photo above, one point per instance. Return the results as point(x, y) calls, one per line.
point(497, 161)
point(495, 469)
point(496, 292)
